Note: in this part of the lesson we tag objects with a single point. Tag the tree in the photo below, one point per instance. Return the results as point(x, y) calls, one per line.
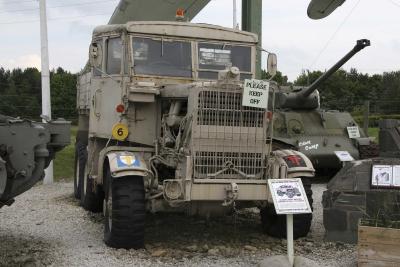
point(279, 77)
point(20, 92)
point(63, 94)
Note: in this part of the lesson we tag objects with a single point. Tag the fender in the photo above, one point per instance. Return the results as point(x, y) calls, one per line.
point(123, 161)
point(297, 164)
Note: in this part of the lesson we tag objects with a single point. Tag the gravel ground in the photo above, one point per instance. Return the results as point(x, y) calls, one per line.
point(46, 227)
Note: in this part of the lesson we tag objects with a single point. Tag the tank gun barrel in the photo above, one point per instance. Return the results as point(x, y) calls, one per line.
point(361, 44)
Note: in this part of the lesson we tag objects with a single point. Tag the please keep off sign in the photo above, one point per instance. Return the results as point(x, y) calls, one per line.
point(255, 93)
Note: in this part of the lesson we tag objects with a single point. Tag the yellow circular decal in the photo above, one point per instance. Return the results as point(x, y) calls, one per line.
point(120, 131)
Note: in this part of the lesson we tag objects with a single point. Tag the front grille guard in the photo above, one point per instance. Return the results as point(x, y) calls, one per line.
point(228, 139)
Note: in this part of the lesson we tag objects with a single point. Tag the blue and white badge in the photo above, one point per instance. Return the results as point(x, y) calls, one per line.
point(127, 161)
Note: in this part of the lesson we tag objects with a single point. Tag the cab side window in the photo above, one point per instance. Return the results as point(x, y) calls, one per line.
point(114, 56)
point(96, 48)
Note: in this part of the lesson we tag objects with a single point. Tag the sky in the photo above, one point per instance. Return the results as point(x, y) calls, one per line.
point(299, 42)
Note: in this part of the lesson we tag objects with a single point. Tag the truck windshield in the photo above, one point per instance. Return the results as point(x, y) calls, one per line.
point(162, 57)
point(220, 56)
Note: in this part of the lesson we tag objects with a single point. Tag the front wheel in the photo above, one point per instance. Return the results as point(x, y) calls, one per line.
point(124, 210)
point(275, 225)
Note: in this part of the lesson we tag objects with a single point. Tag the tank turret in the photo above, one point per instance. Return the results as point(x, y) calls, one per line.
point(304, 97)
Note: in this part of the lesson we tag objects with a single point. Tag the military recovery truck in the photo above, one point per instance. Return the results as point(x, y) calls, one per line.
point(300, 123)
point(162, 127)
point(26, 149)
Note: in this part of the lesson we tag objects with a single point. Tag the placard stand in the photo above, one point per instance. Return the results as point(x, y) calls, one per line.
point(289, 198)
point(289, 236)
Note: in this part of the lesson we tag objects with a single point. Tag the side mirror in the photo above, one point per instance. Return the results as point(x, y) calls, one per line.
point(272, 64)
point(95, 55)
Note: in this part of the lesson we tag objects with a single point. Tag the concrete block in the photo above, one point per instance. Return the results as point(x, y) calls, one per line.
point(354, 218)
point(342, 236)
point(335, 219)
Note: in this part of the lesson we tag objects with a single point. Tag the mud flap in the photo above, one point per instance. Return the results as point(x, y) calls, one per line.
point(125, 163)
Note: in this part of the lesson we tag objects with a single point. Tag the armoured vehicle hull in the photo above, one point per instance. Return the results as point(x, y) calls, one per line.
point(162, 127)
point(318, 133)
point(26, 149)
point(358, 192)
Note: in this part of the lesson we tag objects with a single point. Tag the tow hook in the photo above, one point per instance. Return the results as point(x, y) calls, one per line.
point(232, 192)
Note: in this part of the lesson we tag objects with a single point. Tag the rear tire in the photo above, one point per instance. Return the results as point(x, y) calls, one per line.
point(124, 210)
point(275, 225)
point(90, 200)
point(79, 164)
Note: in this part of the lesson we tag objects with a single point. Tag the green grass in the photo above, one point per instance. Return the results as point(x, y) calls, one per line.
point(64, 161)
point(374, 132)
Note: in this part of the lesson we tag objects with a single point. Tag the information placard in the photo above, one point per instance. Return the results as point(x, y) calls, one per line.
point(289, 196)
point(382, 175)
point(344, 156)
point(255, 93)
point(396, 175)
point(353, 131)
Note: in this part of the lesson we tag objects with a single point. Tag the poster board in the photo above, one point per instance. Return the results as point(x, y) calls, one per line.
point(344, 156)
point(353, 131)
point(289, 196)
point(396, 176)
point(382, 175)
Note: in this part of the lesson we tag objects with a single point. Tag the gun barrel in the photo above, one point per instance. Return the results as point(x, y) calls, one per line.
point(358, 47)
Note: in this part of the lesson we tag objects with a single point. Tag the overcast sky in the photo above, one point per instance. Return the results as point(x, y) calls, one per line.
point(299, 42)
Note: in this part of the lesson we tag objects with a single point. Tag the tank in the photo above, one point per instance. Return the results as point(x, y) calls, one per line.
point(26, 149)
point(300, 123)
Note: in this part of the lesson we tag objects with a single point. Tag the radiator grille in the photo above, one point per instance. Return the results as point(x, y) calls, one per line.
point(225, 109)
point(207, 163)
point(225, 133)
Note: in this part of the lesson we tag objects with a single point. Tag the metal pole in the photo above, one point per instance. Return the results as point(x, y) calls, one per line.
point(234, 14)
point(252, 22)
point(366, 117)
point(289, 234)
point(46, 104)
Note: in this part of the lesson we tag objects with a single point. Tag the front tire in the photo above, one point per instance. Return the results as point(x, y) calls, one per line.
point(124, 210)
point(275, 225)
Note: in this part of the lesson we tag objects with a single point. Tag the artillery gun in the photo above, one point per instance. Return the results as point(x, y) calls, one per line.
point(26, 149)
point(300, 124)
point(163, 126)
